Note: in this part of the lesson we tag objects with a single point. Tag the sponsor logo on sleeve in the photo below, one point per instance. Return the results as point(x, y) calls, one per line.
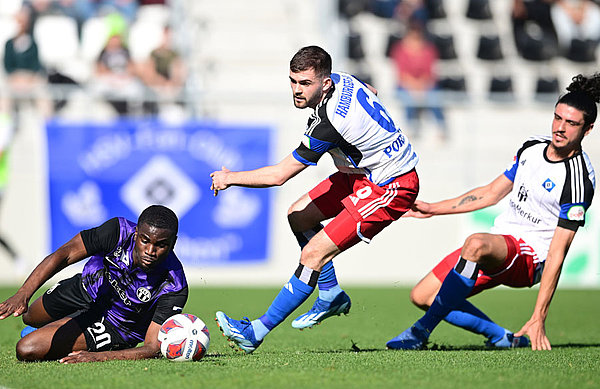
point(576, 212)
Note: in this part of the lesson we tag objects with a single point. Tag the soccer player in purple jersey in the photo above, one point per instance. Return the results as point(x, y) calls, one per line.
point(130, 285)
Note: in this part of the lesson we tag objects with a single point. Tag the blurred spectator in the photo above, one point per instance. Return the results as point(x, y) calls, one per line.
point(533, 29)
point(411, 10)
point(163, 73)
point(25, 75)
point(415, 59)
point(6, 135)
point(576, 19)
point(115, 74)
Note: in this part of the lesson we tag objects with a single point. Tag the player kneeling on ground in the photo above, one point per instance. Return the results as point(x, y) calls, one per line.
point(132, 282)
point(550, 186)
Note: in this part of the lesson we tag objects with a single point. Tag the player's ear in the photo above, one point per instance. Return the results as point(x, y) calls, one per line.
point(327, 84)
point(589, 129)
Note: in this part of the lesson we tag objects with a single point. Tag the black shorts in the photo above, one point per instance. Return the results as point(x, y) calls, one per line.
point(68, 298)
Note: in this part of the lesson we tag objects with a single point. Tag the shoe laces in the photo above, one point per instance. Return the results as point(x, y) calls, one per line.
point(245, 321)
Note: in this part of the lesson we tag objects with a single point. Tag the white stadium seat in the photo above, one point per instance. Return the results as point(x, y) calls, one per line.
point(143, 38)
point(57, 39)
point(10, 7)
point(94, 35)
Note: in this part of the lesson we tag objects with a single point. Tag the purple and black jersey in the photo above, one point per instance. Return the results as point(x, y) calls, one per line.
point(130, 296)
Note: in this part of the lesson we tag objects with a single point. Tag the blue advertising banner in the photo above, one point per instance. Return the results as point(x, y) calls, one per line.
point(101, 170)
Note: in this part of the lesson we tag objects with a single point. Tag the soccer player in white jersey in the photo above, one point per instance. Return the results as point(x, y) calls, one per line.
point(376, 183)
point(550, 186)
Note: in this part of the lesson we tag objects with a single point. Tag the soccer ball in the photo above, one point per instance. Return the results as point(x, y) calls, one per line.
point(183, 337)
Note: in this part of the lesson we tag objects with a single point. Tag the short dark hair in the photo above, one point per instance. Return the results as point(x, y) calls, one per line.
point(160, 216)
point(583, 94)
point(312, 57)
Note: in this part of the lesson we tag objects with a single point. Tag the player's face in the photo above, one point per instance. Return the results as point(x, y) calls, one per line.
point(152, 245)
point(568, 130)
point(307, 88)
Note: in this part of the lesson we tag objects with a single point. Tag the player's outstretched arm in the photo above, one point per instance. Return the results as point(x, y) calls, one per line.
point(263, 177)
point(478, 198)
point(150, 349)
point(69, 253)
point(535, 326)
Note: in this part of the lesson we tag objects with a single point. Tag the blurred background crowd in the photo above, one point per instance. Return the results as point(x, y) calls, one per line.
point(444, 68)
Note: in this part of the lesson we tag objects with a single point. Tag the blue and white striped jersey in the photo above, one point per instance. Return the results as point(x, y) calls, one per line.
point(352, 125)
point(545, 194)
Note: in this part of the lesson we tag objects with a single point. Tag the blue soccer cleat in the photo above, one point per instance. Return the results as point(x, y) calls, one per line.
point(27, 330)
point(509, 340)
point(413, 338)
point(321, 310)
point(240, 332)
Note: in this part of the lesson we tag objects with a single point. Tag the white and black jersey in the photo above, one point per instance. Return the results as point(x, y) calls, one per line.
point(352, 125)
point(545, 194)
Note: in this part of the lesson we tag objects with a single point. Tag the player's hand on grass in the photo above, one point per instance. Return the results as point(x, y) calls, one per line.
point(219, 180)
point(15, 306)
point(82, 356)
point(536, 330)
point(420, 210)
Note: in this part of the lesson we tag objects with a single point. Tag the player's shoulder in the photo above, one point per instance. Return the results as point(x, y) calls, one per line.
point(536, 140)
point(533, 141)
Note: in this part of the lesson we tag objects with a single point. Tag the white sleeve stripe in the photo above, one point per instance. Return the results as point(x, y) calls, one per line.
point(580, 180)
point(576, 180)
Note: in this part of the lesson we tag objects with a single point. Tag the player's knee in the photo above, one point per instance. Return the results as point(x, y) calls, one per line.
point(474, 248)
point(31, 319)
point(311, 258)
point(28, 350)
point(28, 319)
point(420, 299)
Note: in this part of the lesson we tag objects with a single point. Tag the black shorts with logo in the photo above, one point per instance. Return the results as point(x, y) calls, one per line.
point(68, 298)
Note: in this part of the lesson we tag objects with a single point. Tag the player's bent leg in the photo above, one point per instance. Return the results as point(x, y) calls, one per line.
point(36, 315)
point(488, 251)
point(320, 251)
point(304, 215)
point(53, 341)
point(424, 292)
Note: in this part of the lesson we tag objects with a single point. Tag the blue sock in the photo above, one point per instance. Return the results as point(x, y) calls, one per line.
point(470, 318)
point(291, 296)
point(455, 288)
point(328, 283)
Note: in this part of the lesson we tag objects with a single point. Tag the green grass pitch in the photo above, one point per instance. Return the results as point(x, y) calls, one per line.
point(347, 351)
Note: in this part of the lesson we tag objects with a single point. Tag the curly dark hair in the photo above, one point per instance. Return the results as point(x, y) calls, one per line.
point(160, 216)
point(583, 94)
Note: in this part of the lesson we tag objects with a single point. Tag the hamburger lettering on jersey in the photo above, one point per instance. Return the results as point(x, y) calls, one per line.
point(545, 194)
point(130, 297)
point(352, 125)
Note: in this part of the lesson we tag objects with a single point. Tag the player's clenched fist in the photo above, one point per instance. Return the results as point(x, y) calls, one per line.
point(219, 180)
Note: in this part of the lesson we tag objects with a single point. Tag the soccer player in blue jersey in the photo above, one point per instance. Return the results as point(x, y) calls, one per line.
point(550, 186)
point(375, 184)
point(131, 284)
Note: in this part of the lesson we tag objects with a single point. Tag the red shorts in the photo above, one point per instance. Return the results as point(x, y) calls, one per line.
point(361, 209)
point(521, 268)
